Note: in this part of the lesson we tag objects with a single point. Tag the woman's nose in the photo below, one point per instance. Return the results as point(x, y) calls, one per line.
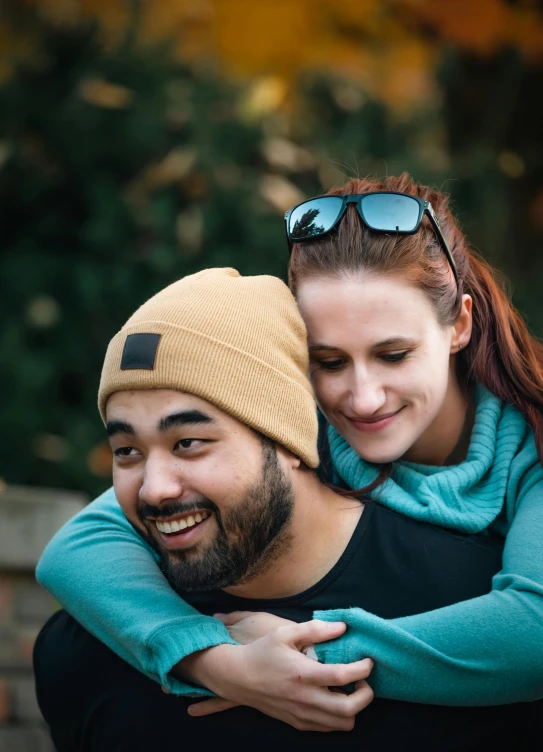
point(367, 395)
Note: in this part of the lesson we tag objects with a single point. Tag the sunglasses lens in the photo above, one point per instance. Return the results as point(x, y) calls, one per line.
point(390, 212)
point(314, 217)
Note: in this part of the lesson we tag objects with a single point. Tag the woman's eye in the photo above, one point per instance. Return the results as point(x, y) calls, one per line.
point(330, 365)
point(394, 357)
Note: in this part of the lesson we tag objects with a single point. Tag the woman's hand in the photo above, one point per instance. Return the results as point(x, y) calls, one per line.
point(273, 676)
point(248, 626)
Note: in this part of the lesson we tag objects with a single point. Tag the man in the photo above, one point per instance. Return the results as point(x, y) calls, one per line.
point(212, 426)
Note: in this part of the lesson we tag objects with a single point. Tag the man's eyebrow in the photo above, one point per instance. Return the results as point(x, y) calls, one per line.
point(119, 426)
point(185, 418)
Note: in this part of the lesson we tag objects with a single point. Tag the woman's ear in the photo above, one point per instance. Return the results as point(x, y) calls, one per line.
point(462, 328)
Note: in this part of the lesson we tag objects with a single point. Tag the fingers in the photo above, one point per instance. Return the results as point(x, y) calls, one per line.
point(347, 706)
point(208, 707)
point(310, 632)
point(323, 722)
point(340, 674)
point(236, 616)
point(330, 710)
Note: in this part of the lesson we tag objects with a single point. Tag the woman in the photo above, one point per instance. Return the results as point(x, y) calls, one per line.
point(433, 389)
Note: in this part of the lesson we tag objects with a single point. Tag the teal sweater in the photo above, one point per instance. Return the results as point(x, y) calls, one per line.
point(484, 651)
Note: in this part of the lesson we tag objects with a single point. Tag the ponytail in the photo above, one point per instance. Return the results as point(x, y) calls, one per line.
point(502, 354)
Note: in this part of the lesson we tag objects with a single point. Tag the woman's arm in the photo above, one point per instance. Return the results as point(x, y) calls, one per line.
point(107, 577)
point(484, 651)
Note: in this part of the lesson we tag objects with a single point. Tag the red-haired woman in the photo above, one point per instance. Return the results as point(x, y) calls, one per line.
point(432, 389)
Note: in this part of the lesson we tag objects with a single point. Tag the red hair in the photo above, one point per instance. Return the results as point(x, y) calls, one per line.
point(501, 354)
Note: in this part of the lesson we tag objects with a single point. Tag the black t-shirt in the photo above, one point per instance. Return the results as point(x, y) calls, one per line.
point(393, 566)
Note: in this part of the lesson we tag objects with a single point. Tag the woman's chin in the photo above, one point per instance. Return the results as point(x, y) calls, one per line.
point(378, 455)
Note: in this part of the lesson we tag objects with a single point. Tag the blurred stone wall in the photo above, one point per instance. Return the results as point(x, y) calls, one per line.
point(29, 517)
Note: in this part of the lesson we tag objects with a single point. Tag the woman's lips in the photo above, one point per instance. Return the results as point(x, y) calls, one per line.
point(373, 425)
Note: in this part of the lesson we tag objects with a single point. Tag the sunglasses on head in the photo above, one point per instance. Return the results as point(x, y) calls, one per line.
point(382, 212)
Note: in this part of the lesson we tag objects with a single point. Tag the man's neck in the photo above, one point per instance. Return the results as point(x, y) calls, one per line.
point(318, 534)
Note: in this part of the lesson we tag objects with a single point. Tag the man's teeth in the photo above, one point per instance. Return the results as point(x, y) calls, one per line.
point(176, 525)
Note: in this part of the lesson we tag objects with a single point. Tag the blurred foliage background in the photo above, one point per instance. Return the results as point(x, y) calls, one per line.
point(142, 141)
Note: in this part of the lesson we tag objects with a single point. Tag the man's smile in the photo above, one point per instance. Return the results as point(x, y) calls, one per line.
point(181, 522)
point(182, 531)
point(178, 530)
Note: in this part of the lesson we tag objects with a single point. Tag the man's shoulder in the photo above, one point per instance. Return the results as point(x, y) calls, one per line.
point(65, 652)
point(62, 640)
point(64, 657)
point(403, 525)
point(90, 698)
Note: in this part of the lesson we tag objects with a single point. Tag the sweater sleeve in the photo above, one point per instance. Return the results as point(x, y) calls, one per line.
point(484, 651)
point(107, 577)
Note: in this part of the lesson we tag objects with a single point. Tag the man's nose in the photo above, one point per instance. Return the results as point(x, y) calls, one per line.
point(368, 393)
point(162, 481)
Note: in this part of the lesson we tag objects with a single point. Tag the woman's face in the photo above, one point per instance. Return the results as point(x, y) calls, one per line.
point(380, 364)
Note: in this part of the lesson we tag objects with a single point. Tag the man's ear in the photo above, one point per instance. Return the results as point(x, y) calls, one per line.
point(462, 328)
point(287, 458)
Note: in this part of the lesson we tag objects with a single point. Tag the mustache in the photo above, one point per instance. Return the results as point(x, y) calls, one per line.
point(149, 512)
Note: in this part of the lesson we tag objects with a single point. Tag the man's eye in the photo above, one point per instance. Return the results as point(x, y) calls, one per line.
point(188, 443)
point(394, 357)
point(124, 452)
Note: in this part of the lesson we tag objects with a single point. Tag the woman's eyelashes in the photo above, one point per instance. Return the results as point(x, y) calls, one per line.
point(395, 357)
point(329, 365)
point(336, 364)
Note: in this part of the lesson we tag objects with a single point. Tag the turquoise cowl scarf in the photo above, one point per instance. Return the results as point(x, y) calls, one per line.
point(467, 497)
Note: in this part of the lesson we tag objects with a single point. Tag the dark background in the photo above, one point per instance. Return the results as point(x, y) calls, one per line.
point(141, 141)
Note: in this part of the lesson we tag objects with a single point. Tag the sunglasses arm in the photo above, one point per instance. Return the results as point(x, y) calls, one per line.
point(437, 229)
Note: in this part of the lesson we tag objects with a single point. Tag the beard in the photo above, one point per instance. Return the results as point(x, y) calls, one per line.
point(250, 535)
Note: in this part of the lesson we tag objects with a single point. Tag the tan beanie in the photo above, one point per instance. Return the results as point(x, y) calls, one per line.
point(237, 342)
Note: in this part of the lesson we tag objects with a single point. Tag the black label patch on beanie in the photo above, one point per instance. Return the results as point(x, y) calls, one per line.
point(140, 351)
